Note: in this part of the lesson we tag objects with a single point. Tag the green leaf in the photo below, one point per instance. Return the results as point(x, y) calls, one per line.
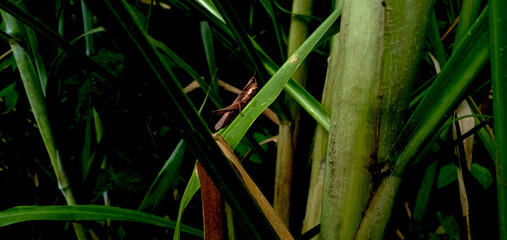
point(10, 96)
point(166, 179)
point(423, 195)
point(209, 50)
point(448, 174)
point(192, 186)
point(87, 143)
point(497, 48)
point(485, 133)
point(211, 8)
point(482, 175)
point(448, 226)
point(85, 213)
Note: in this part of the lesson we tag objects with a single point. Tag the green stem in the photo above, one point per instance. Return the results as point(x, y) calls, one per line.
point(354, 118)
point(314, 202)
point(87, 26)
point(404, 35)
point(470, 9)
point(498, 46)
point(34, 93)
point(428, 117)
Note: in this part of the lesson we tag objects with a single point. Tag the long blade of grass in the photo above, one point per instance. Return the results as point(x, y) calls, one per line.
point(434, 39)
point(87, 142)
point(210, 7)
point(86, 213)
point(209, 50)
point(423, 194)
point(275, 85)
point(268, 6)
point(192, 186)
point(309, 103)
point(87, 27)
point(166, 179)
point(485, 134)
point(498, 45)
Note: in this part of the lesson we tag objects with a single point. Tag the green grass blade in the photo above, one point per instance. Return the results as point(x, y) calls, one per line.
point(87, 143)
point(485, 133)
point(423, 195)
point(470, 9)
point(166, 179)
point(192, 186)
point(209, 50)
point(37, 59)
point(434, 39)
point(268, 6)
point(276, 84)
point(85, 213)
point(498, 51)
point(88, 26)
point(210, 7)
point(309, 103)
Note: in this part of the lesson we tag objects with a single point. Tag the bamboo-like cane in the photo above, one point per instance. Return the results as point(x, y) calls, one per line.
point(35, 96)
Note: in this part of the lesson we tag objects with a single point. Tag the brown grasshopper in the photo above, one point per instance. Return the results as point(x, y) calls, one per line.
point(230, 112)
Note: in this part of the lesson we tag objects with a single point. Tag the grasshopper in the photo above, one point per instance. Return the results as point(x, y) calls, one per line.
point(231, 112)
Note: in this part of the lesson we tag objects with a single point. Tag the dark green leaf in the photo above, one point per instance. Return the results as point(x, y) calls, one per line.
point(10, 96)
point(482, 175)
point(86, 213)
point(448, 174)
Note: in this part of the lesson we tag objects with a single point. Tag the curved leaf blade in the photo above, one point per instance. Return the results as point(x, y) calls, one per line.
point(86, 213)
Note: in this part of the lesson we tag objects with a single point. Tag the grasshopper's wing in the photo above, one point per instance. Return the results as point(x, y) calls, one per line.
point(224, 121)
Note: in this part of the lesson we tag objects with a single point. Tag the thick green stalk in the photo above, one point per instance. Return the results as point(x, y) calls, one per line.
point(354, 118)
point(498, 51)
point(298, 33)
point(405, 24)
point(283, 172)
point(445, 92)
point(314, 202)
point(34, 93)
